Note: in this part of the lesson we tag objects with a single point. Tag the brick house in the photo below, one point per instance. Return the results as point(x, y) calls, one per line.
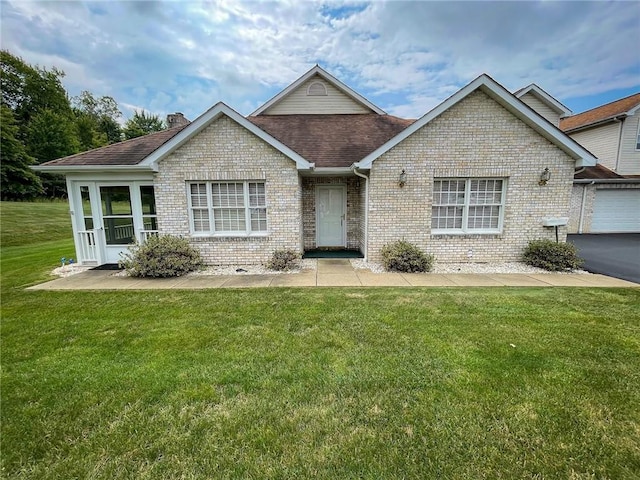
point(319, 166)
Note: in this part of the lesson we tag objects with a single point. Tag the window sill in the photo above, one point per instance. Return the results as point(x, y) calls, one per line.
point(485, 235)
point(229, 236)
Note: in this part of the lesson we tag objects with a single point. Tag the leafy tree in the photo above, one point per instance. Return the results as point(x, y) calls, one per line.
point(27, 90)
point(51, 135)
point(97, 120)
point(141, 124)
point(19, 182)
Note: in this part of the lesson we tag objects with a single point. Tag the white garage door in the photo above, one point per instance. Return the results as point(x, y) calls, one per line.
point(616, 210)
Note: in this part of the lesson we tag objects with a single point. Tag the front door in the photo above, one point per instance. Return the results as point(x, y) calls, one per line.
point(331, 215)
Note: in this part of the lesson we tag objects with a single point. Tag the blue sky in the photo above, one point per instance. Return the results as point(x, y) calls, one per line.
point(405, 57)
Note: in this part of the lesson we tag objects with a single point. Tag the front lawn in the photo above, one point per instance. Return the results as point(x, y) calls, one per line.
point(316, 383)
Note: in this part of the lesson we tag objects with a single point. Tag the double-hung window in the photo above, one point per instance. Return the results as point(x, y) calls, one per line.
point(468, 205)
point(227, 208)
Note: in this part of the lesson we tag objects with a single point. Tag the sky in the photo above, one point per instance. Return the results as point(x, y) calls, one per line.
point(405, 57)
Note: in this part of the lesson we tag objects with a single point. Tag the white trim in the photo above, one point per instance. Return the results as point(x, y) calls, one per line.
point(366, 213)
point(551, 102)
point(317, 70)
point(637, 140)
point(343, 235)
point(464, 230)
point(207, 118)
point(248, 232)
point(496, 91)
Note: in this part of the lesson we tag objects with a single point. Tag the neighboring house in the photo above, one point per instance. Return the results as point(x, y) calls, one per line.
point(319, 166)
point(606, 198)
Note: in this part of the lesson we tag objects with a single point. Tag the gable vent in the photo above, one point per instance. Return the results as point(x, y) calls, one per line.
point(317, 89)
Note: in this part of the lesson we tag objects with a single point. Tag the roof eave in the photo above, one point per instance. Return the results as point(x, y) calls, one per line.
point(606, 180)
point(62, 169)
point(551, 101)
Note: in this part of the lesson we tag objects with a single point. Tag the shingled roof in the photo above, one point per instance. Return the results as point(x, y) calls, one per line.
point(332, 140)
point(128, 152)
point(600, 114)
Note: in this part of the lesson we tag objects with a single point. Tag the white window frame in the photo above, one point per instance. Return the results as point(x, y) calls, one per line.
point(638, 137)
point(210, 209)
point(464, 230)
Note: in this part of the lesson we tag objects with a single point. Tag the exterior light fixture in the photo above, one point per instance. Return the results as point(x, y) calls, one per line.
point(402, 179)
point(544, 177)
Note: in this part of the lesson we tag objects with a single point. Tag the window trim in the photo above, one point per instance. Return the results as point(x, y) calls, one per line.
point(638, 137)
point(209, 207)
point(465, 208)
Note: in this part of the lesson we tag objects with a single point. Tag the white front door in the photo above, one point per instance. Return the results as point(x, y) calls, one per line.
point(117, 220)
point(331, 215)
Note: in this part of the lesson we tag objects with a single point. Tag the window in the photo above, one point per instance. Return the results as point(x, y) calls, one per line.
point(228, 208)
point(467, 205)
point(638, 138)
point(148, 201)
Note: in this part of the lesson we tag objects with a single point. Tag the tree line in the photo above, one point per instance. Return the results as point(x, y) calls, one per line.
point(41, 122)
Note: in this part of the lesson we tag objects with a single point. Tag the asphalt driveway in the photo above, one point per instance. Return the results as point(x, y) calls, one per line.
point(613, 254)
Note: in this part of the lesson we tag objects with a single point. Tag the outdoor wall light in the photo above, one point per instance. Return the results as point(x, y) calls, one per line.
point(544, 177)
point(402, 179)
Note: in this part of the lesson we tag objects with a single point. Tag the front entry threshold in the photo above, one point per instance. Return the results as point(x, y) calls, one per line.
point(332, 253)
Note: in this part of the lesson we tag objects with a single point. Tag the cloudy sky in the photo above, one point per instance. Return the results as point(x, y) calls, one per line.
point(406, 57)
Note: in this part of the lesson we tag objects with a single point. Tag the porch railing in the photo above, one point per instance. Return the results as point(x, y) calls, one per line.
point(145, 234)
point(88, 247)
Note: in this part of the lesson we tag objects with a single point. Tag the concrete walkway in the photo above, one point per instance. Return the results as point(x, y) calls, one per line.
point(330, 273)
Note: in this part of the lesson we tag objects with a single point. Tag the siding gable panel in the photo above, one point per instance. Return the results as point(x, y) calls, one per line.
point(299, 102)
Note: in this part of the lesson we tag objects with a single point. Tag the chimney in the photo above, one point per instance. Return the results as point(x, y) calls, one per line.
point(176, 120)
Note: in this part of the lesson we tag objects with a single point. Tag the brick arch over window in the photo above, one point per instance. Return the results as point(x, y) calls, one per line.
point(317, 89)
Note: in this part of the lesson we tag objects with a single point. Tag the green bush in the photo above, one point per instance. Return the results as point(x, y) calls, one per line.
point(161, 256)
point(402, 256)
point(552, 256)
point(283, 260)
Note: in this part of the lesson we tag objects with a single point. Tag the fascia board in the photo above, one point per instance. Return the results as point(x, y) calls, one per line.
point(207, 118)
point(91, 168)
point(317, 70)
point(552, 102)
point(496, 91)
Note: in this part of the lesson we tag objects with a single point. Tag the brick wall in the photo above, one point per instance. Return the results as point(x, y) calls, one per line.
point(475, 138)
point(226, 151)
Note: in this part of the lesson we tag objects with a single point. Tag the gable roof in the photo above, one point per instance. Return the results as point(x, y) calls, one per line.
point(145, 152)
point(317, 70)
point(498, 93)
point(127, 153)
point(549, 100)
point(332, 140)
point(605, 113)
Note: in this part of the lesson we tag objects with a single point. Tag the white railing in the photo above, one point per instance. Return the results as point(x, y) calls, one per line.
point(145, 234)
point(88, 247)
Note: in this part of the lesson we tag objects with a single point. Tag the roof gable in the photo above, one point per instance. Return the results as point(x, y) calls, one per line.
point(605, 113)
point(544, 97)
point(512, 104)
point(206, 119)
point(331, 80)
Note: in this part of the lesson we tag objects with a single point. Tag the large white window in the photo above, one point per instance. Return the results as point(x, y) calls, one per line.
point(227, 208)
point(467, 205)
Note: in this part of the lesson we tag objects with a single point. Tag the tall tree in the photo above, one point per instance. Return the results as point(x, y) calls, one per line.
point(100, 115)
point(141, 124)
point(18, 181)
point(51, 135)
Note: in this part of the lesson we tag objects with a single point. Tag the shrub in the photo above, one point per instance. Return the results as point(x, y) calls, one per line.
point(283, 260)
point(402, 256)
point(161, 256)
point(552, 256)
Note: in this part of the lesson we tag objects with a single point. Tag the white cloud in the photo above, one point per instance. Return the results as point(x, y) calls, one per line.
point(405, 56)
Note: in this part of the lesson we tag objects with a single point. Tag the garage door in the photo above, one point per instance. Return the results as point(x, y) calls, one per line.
point(616, 211)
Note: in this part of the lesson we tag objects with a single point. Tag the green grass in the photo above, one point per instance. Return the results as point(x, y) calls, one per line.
point(28, 223)
point(322, 383)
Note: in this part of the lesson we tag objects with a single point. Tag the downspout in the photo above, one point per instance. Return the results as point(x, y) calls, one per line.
point(584, 199)
point(366, 212)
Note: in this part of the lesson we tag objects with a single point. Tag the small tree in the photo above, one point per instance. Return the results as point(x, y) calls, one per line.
point(141, 124)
